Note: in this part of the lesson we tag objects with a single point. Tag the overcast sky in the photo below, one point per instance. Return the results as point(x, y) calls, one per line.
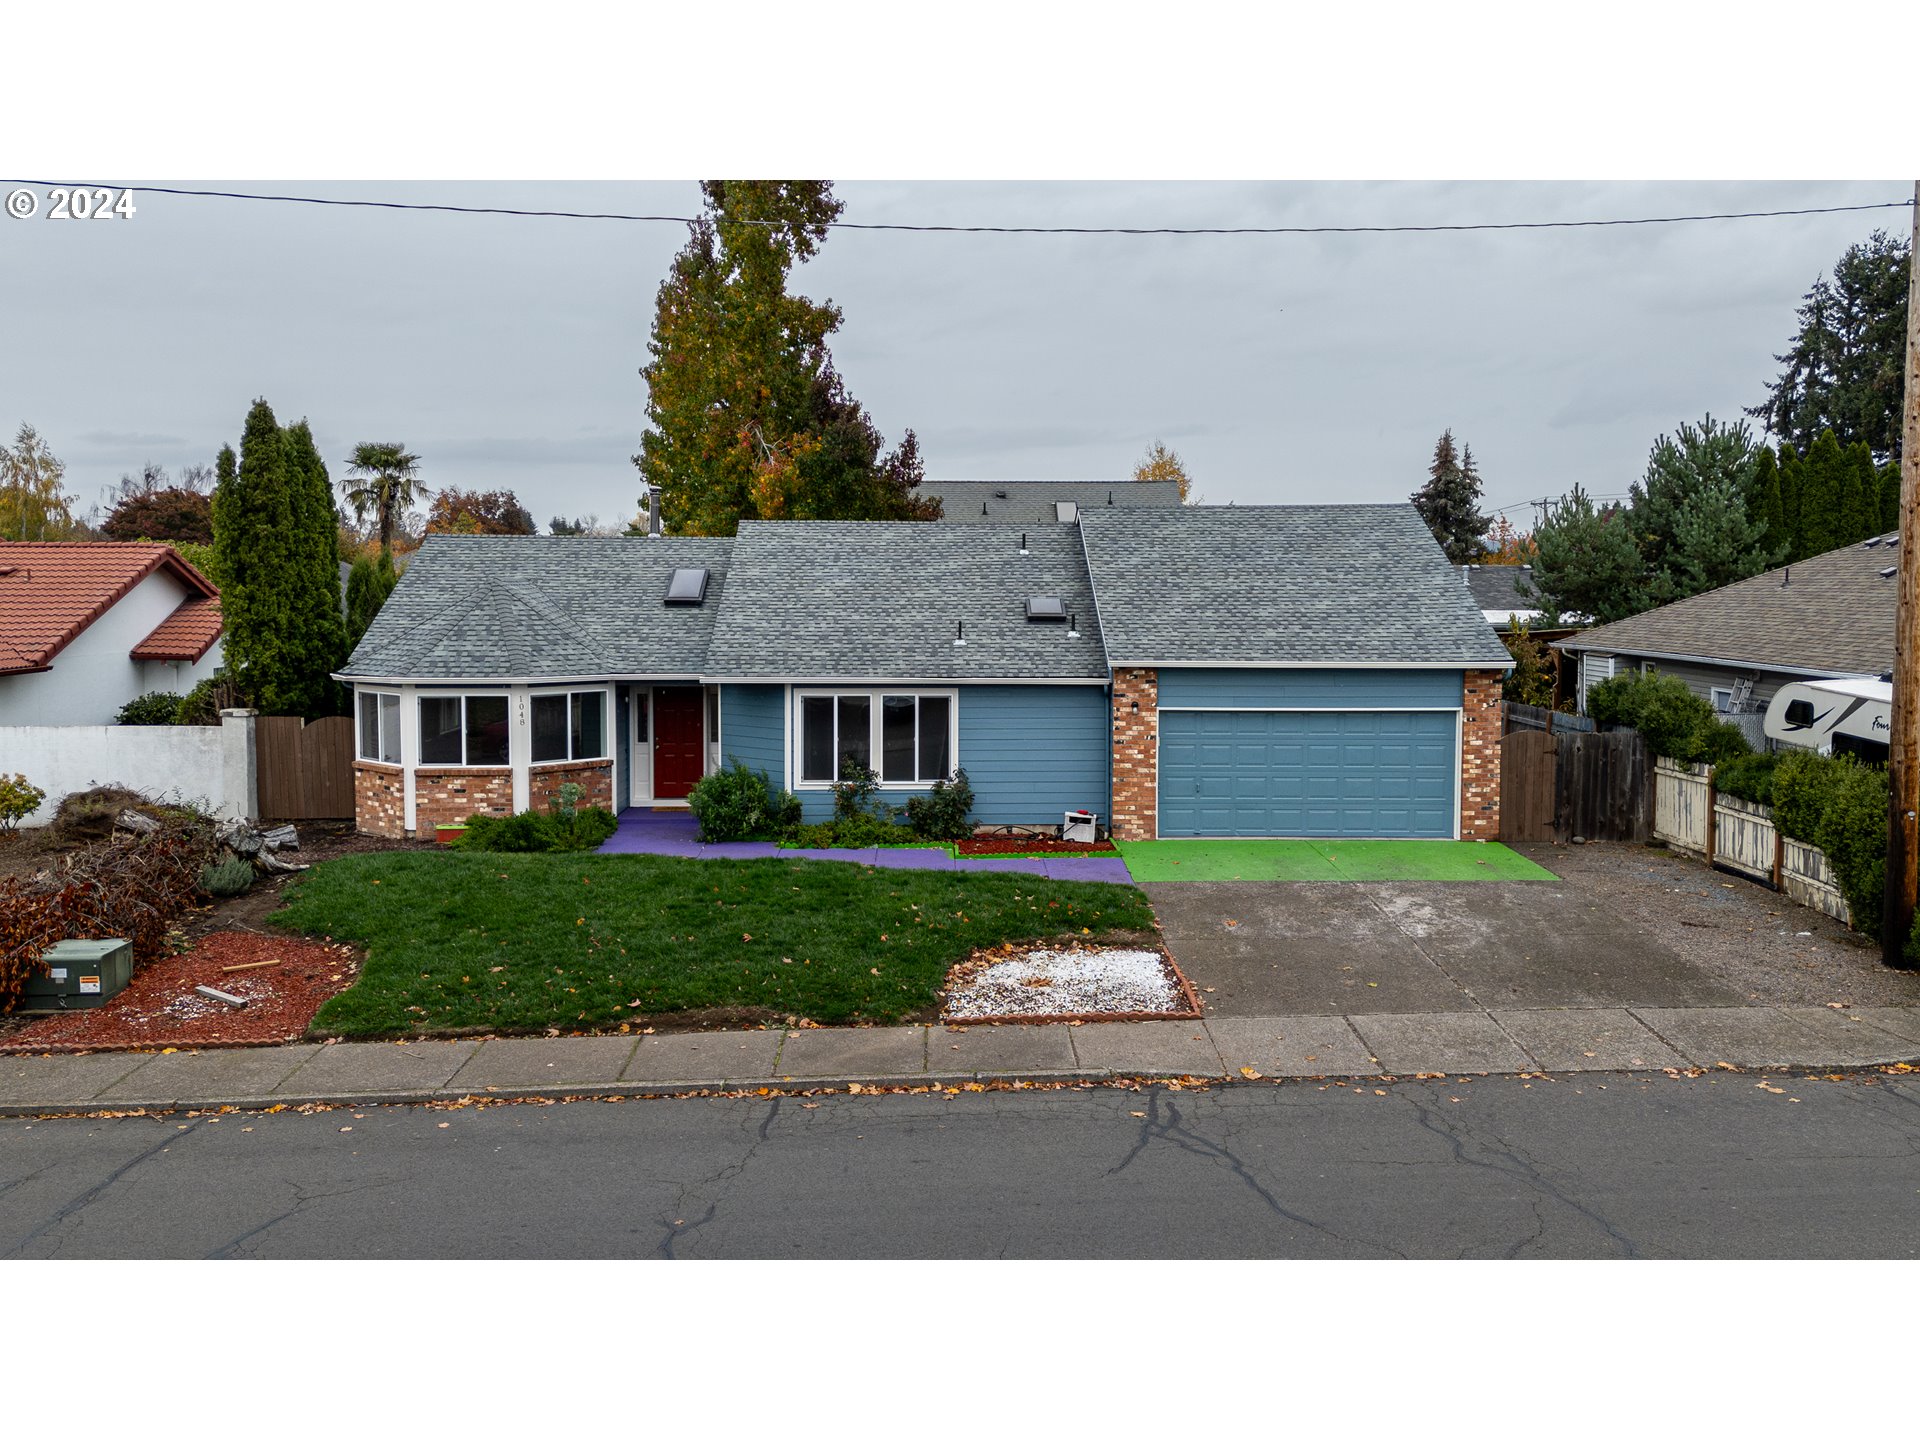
point(505, 351)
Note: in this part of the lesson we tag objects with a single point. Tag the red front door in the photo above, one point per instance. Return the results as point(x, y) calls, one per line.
point(679, 723)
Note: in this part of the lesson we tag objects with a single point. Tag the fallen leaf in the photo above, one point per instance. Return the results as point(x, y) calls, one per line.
point(1250, 1072)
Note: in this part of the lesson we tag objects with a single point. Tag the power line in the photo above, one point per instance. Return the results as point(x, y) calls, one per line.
point(988, 229)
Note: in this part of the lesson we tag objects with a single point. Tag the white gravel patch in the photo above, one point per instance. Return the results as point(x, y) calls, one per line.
point(1066, 982)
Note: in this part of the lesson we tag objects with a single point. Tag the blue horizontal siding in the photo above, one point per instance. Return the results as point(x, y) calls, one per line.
point(1319, 689)
point(1030, 752)
point(753, 728)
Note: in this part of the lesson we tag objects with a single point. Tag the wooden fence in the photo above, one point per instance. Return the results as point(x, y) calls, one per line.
point(305, 768)
point(1734, 834)
point(1538, 717)
point(1556, 785)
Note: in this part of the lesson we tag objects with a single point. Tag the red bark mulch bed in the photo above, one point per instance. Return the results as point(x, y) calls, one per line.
point(1029, 845)
point(159, 1007)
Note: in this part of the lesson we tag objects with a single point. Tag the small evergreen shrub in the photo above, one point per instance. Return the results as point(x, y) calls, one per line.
point(533, 832)
point(202, 704)
point(946, 814)
point(1840, 805)
point(228, 877)
point(741, 804)
point(157, 707)
point(19, 798)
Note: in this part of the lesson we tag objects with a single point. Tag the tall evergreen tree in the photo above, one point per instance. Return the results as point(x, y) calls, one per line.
point(1889, 478)
point(1588, 564)
point(317, 621)
point(1793, 490)
point(1699, 468)
point(1823, 519)
point(746, 415)
point(1766, 505)
point(1862, 508)
point(369, 583)
point(1844, 367)
point(1449, 503)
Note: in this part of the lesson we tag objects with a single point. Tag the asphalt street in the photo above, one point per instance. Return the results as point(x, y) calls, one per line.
point(1719, 1165)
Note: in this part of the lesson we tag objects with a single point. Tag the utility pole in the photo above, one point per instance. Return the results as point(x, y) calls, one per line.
point(1903, 749)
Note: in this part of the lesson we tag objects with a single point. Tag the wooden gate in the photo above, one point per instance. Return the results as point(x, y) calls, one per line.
point(305, 768)
point(1561, 784)
point(1526, 785)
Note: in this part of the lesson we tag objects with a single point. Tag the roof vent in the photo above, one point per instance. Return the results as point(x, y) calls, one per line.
point(1889, 572)
point(999, 494)
point(1065, 510)
point(1046, 607)
point(688, 585)
point(959, 632)
point(1870, 544)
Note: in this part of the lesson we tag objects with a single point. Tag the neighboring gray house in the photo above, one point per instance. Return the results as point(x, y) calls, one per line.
point(1496, 590)
point(1828, 616)
point(1035, 502)
point(1178, 670)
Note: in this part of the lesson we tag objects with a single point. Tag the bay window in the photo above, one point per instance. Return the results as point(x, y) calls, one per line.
point(379, 727)
point(463, 729)
point(909, 734)
point(570, 726)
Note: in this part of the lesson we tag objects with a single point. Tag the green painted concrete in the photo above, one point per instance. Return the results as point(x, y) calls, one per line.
point(1325, 860)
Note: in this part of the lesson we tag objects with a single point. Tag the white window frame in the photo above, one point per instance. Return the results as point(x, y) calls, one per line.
point(463, 695)
point(1714, 692)
point(607, 740)
point(379, 697)
point(874, 695)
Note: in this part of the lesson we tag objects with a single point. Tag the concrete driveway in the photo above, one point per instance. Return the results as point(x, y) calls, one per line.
point(1623, 926)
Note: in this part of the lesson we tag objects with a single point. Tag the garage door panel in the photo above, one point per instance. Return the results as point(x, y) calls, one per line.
point(1332, 773)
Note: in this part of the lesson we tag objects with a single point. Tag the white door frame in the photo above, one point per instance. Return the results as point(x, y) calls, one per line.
point(640, 752)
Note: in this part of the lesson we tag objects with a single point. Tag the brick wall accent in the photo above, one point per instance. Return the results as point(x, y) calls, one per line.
point(1480, 756)
point(449, 796)
point(380, 799)
point(593, 776)
point(1136, 754)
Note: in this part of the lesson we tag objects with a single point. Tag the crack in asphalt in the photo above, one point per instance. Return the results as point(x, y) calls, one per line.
point(1517, 1164)
point(86, 1197)
point(673, 1233)
point(301, 1200)
point(1174, 1130)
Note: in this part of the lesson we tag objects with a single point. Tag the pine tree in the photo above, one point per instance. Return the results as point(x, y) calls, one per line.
point(1588, 564)
point(1706, 465)
point(1889, 482)
point(316, 617)
point(1823, 516)
point(1449, 503)
point(369, 583)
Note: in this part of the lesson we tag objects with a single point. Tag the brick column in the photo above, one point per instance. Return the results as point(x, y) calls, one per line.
point(1136, 754)
point(379, 799)
point(1480, 756)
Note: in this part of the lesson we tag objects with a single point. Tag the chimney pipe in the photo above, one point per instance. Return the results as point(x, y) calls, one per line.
point(653, 512)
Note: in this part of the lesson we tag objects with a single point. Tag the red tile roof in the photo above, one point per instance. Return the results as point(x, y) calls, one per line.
point(186, 634)
point(49, 593)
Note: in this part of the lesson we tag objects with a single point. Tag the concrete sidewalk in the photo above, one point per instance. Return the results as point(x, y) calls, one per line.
point(1337, 1046)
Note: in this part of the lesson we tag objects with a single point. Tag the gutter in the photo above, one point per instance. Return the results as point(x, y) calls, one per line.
point(1726, 662)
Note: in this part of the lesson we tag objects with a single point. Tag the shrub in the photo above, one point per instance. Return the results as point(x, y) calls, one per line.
point(853, 792)
point(202, 704)
point(946, 814)
point(859, 832)
point(231, 876)
point(1840, 805)
point(534, 832)
point(1747, 777)
point(739, 804)
point(19, 798)
point(157, 707)
point(1676, 722)
point(1799, 793)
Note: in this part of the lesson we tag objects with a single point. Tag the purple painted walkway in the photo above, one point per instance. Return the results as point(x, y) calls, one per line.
point(675, 832)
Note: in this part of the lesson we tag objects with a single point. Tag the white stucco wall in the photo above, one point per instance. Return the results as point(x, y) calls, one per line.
point(211, 764)
point(94, 676)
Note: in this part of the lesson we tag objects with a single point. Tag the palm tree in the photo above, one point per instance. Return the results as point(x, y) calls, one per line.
point(385, 482)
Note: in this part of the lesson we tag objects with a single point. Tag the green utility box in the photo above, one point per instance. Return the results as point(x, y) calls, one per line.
point(81, 975)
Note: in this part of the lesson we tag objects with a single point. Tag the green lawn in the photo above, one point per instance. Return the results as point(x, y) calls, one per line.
point(1326, 860)
point(524, 942)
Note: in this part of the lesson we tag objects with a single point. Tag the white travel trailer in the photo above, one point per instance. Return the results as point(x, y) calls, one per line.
point(1848, 717)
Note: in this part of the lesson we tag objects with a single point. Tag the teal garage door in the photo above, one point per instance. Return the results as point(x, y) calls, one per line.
point(1341, 773)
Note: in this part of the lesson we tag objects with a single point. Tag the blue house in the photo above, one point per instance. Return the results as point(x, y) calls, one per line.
point(1290, 670)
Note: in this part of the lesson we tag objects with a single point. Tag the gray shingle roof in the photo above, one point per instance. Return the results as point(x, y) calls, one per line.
point(975, 502)
point(505, 606)
point(880, 600)
point(1497, 587)
point(1284, 584)
point(1835, 617)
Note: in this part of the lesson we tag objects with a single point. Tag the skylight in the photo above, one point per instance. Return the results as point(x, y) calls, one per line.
point(688, 586)
point(1046, 607)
